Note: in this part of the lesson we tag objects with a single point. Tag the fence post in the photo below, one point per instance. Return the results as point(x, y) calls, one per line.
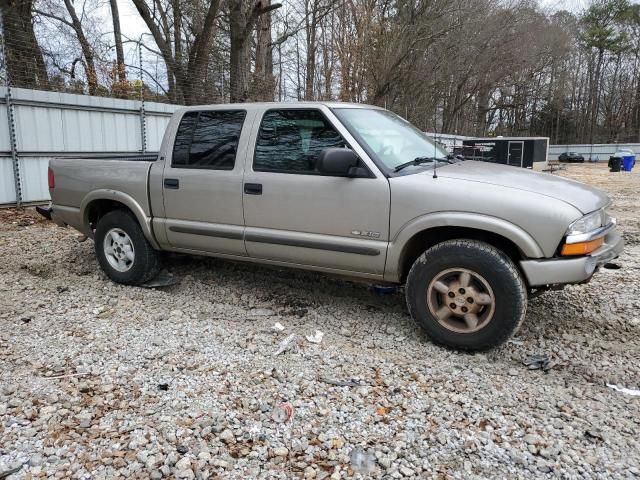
point(143, 120)
point(12, 133)
point(14, 149)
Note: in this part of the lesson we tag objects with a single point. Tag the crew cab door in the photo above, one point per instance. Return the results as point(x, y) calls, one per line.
point(202, 182)
point(295, 214)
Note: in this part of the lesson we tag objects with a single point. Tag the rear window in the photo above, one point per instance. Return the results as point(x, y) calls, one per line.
point(208, 139)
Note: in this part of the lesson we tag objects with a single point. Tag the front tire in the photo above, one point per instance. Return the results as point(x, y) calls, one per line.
point(466, 294)
point(123, 252)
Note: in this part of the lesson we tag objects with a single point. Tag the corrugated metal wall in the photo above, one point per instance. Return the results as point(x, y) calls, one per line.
point(50, 124)
point(601, 152)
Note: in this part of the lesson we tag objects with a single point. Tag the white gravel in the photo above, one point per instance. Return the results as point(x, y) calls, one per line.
point(183, 382)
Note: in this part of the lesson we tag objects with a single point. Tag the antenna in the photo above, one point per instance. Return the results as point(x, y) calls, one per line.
point(435, 165)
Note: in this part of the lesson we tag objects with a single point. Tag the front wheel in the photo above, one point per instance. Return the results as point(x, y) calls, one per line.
point(123, 252)
point(466, 294)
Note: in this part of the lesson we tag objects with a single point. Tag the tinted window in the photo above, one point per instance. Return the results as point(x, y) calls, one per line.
point(290, 141)
point(208, 140)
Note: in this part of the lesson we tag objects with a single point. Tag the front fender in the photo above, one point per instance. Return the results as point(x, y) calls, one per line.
point(127, 200)
point(517, 235)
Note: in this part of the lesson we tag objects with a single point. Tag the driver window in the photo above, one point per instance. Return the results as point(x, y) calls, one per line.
point(289, 141)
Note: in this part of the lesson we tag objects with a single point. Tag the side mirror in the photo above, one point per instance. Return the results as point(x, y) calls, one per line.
point(340, 162)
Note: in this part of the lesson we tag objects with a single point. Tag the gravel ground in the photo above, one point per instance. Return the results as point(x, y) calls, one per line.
point(99, 380)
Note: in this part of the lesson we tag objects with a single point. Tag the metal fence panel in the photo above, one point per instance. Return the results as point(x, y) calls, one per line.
point(33, 174)
point(7, 187)
point(5, 146)
point(602, 152)
point(51, 123)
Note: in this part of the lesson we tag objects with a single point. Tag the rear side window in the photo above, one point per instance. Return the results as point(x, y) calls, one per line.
point(208, 139)
point(289, 141)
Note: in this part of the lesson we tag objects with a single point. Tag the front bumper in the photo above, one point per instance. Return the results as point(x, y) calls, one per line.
point(556, 271)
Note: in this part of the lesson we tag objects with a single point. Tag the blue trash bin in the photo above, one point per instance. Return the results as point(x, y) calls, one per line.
point(628, 158)
point(628, 161)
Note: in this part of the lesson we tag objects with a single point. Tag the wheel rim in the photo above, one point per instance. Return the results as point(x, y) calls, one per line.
point(461, 300)
point(118, 249)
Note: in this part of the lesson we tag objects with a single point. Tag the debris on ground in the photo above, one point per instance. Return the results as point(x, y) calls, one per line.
point(316, 337)
point(363, 462)
point(382, 290)
point(612, 266)
point(11, 471)
point(626, 391)
point(282, 413)
point(160, 281)
point(342, 383)
point(286, 344)
point(539, 362)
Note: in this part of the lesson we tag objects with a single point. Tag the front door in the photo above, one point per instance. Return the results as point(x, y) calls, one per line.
point(295, 214)
point(202, 182)
point(516, 151)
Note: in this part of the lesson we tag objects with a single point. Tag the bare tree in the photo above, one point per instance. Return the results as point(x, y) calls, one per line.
point(243, 18)
point(187, 77)
point(25, 64)
point(117, 36)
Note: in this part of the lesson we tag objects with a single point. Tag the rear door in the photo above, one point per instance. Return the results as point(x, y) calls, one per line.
point(295, 214)
point(202, 182)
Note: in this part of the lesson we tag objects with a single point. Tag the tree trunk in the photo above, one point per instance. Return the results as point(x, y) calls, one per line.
point(239, 54)
point(87, 51)
point(481, 113)
point(310, 64)
point(25, 65)
point(117, 36)
point(263, 80)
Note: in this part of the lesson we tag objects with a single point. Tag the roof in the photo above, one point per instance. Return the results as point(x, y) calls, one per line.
point(262, 105)
point(493, 139)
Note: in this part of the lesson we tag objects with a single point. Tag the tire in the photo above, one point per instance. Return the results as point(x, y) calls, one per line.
point(438, 273)
point(139, 261)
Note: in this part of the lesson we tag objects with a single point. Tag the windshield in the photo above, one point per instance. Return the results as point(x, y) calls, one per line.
point(390, 138)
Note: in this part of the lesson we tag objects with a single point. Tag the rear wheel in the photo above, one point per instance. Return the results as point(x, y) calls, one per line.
point(123, 252)
point(466, 294)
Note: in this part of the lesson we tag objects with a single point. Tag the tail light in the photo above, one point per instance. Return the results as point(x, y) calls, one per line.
point(51, 178)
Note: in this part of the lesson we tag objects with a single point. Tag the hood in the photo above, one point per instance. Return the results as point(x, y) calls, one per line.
point(581, 196)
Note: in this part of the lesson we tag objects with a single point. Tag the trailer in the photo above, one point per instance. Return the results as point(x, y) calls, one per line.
point(516, 151)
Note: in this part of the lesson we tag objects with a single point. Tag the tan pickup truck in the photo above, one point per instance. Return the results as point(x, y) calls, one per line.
point(345, 189)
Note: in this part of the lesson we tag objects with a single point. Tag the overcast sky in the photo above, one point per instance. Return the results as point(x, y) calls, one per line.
point(133, 26)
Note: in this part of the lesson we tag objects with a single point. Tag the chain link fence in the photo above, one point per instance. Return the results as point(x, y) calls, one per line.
point(44, 115)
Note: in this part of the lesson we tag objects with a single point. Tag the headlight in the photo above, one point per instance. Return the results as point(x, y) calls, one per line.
point(589, 222)
point(577, 244)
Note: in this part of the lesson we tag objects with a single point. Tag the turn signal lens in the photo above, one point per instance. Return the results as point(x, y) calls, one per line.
point(582, 248)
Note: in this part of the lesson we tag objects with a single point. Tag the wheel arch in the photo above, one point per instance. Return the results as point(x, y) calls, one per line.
point(99, 202)
point(422, 233)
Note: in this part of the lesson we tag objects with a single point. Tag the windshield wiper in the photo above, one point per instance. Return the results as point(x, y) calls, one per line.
point(420, 160)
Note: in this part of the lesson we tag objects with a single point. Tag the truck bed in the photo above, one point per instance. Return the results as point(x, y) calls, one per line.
point(77, 178)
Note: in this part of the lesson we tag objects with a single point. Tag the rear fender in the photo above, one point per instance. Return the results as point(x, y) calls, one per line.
point(128, 201)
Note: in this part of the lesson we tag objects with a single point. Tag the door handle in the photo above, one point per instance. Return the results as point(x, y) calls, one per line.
point(253, 188)
point(171, 183)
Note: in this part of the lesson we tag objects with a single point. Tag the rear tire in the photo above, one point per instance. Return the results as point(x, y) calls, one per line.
point(123, 252)
point(466, 294)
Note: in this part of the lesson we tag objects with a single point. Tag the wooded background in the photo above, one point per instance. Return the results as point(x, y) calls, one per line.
point(471, 67)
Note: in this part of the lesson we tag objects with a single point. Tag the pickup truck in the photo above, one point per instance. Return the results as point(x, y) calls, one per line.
point(345, 189)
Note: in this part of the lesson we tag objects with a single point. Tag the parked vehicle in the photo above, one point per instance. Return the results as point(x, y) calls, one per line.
point(571, 157)
point(346, 189)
